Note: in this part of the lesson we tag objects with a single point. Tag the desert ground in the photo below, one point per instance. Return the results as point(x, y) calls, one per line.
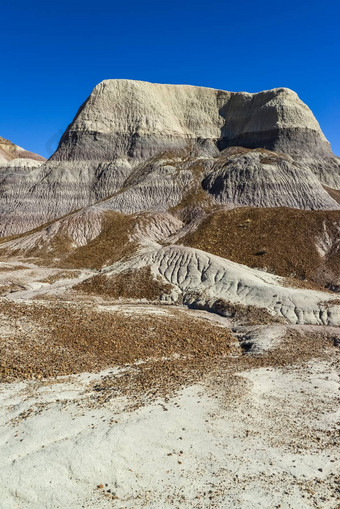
point(206, 412)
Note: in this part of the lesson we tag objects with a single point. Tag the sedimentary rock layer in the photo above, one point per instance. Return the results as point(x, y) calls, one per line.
point(138, 119)
point(143, 146)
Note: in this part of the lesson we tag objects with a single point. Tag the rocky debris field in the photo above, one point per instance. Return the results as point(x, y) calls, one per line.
point(191, 410)
point(52, 339)
point(133, 284)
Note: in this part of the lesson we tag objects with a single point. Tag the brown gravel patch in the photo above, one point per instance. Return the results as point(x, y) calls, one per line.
point(156, 355)
point(156, 378)
point(194, 198)
point(335, 194)
point(280, 240)
point(291, 282)
point(111, 245)
point(61, 339)
point(70, 274)
point(133, 284)
point(13, 268)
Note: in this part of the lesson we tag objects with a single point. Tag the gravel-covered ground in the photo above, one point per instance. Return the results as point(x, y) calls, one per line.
point(129, 405)
point(260, 437)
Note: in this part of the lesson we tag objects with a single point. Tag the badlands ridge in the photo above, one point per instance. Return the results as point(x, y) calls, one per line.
point(143, 168)
point(169, 301)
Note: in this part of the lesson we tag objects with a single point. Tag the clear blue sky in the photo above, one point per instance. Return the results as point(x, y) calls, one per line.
point(53, 54)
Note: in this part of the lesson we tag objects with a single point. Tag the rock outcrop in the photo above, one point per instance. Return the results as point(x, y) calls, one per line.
point(206, 281)
point(134, 119)
point(142, 146)
point(265, 179)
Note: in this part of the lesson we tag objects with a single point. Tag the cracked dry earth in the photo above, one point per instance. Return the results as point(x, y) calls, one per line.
point(127, 405)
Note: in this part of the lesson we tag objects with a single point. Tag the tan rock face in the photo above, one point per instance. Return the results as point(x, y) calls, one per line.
point(138, 119)
point(9, 151)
